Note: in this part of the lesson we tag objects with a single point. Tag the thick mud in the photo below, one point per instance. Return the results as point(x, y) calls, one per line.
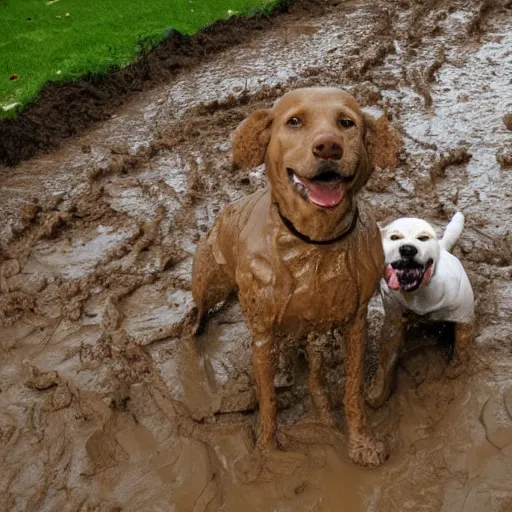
point(107, 404)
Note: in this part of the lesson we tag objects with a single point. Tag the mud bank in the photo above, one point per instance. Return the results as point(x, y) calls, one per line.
point(106, 404)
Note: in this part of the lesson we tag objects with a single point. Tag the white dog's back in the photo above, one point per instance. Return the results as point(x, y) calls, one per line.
point(452, 232)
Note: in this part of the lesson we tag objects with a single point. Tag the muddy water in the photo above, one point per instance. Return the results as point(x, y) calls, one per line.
point(106, 404)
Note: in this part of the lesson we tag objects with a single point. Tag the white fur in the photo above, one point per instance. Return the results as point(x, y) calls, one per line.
point(452, 232)
point(448, 296)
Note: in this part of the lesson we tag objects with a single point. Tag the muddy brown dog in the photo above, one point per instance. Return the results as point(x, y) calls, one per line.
point(305, 256)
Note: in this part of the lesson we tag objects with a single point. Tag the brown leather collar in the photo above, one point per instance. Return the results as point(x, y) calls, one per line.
point(293, 230)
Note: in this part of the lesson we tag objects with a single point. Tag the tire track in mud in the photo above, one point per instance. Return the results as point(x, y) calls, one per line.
point(153, 419)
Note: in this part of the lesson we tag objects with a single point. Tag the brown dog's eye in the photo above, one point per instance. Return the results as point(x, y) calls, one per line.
point(395, 237)
point(346, 123)
point(424, 238)
point(294, 121)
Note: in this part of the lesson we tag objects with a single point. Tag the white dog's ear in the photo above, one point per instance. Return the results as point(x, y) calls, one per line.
point(383, 143)
point(251, 138)
point(384, 223)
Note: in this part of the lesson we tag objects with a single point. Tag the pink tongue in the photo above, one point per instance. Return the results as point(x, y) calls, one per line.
point(324, 195)
point(426, 277)
point(391, 278)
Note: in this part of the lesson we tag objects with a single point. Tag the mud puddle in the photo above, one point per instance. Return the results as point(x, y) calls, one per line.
point(106, 405)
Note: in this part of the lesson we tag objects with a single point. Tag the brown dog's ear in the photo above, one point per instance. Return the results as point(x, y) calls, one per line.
point(251, 138)
point(382, 142)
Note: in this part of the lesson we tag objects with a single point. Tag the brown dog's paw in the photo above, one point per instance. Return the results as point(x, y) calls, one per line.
point(324, 419)
point(377, 392)
point(376, 397)
point(367, 452)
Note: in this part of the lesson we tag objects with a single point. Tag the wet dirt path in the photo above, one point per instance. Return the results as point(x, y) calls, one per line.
point(106, 405)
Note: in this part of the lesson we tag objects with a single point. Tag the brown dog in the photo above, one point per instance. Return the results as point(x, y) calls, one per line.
point(304, 255)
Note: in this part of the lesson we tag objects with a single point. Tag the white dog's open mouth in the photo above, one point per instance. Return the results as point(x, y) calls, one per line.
point(325, 189)
point(408, 276)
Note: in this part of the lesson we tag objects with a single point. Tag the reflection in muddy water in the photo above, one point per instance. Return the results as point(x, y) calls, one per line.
point(107, 404)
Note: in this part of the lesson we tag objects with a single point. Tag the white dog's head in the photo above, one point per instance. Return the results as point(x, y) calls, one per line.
point(411, 251)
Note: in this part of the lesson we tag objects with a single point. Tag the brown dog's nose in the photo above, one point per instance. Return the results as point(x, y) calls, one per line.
point(327, 147)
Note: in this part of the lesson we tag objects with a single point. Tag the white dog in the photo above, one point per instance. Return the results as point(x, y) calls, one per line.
point(422, 278)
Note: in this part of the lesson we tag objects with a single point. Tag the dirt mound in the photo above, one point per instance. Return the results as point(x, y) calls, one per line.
point(105, 402)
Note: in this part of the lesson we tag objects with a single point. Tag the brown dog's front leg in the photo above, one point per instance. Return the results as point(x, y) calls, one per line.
point(391, 341)
point(264, 369)
point(463, 337)
point(315, 345)
point(363, 449)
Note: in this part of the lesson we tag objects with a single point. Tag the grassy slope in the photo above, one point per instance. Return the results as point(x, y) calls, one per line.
point(40, 43)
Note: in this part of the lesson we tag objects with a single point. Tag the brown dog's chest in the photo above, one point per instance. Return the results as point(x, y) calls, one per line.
point(288, 285)
point(323, 289)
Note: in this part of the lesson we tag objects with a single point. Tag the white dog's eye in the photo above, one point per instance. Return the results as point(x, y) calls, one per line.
point(346, 123)
point(395, 237)
point(424, 238)
point(294, 121)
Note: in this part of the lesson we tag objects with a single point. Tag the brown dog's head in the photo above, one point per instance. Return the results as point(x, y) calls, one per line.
point(319, 149)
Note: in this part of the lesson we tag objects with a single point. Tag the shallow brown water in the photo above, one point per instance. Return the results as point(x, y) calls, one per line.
point(105, 404)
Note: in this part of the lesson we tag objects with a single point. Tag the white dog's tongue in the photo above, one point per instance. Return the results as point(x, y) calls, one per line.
point(322, 194)
point(391, 278)
point(394, 283)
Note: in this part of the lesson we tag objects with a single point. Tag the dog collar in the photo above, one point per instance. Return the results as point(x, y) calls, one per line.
point(294, 231)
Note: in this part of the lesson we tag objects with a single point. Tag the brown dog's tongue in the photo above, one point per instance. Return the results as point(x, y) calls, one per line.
point(323, 194)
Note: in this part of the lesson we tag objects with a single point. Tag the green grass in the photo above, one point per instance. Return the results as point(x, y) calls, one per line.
point(43, 40)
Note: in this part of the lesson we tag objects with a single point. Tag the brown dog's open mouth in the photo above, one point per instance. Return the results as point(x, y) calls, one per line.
point(325, 189)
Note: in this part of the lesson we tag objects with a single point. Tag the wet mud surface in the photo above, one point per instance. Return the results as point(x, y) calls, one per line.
point(107, 404)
